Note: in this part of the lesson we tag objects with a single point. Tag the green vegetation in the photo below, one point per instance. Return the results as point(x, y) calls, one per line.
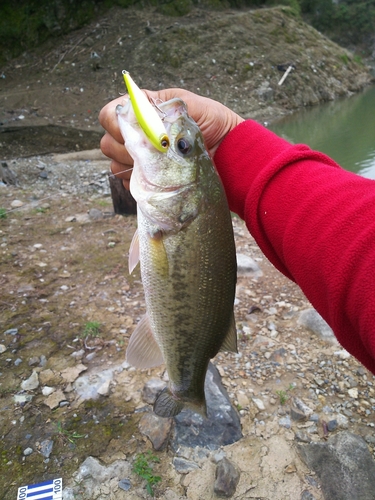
point(91, 329)
point(143, 469)
point(71, 436)
point(3, 213)
point(283, 394)
point(346, 22)
point(25, 24)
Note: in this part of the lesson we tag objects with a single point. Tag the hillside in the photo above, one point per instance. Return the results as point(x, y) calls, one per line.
point(237, 57)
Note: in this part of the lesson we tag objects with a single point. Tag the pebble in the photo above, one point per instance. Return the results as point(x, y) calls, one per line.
point(54, 399)
point(285, 422)
point(124, 484)
point(31, 383)
point(11, 331)
point(46, 448)
point(46, 391)
point(157, 429)
point(246, 265)
point(311, 319)
point(2, 348)
point(22, 398)
point(27, 451)
point(259, 404)
point(17, 204)
point(353, 393)
point(184, 466)
point(227, 478)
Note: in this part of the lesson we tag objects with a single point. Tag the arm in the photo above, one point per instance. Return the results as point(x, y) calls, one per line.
point(314, 221)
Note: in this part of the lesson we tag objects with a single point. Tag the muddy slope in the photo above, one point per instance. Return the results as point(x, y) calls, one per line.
point(237, 57)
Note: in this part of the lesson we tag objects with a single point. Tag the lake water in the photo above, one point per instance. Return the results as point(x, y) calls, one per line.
point(343, 129)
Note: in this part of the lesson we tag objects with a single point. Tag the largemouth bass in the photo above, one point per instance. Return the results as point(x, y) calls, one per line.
point(186, 250)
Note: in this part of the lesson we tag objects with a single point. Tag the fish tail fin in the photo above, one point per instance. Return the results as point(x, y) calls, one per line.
point(167, 405)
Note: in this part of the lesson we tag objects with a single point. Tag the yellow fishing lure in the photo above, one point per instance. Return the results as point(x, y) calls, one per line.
point(147, 116)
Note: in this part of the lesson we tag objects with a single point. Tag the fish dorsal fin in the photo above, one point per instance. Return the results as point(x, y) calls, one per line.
point(134, 252)
point(143, 350)
point(230, 341)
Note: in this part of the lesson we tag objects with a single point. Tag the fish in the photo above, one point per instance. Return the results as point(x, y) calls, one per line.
point(186, 249)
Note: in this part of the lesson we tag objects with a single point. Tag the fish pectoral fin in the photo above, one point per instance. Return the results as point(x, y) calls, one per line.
point(230, 341)
point(134, 252)
point(158, 254)
point(143, 350)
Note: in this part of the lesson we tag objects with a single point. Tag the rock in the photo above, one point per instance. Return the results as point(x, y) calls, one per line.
point(2, 348)
point(298, 410)
point(227, 478)
point(46, 448)
point(103, 390)
point(43, 175)
point(157, 429)
point(46, 391)
point(71, 374)
point(246, 266)
point(92, 384)
point(55, 399)
point(47, 376)
point(22, 398)
point(259, 404)
point(307, 495)
point(353, 393)
point(265, 92)
point(344, 466)
point(243, 400)
point(285, 422)
point(7, 176)
point(28, 451)
point(184, 466)
point(222, 425)
point(311, 319)
point(34, 361)
point(31, 383)
point(17, 204)
point(95, 214)
point(152, 389)
point(11, 331)
point(332, 425)
point(124, 484)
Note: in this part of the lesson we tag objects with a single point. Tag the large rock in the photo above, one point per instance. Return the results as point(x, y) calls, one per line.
point(344, 466)
point(222, 425)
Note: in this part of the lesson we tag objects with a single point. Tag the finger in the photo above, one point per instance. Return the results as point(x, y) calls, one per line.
point(115, 150)
point(108, 118)
point(121, 171)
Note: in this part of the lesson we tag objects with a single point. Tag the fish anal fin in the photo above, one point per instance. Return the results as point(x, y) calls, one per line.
point(134, 252)
point(143, 350)
point(230, 341)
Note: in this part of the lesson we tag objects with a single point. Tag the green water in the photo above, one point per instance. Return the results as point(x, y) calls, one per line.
point(344, 130)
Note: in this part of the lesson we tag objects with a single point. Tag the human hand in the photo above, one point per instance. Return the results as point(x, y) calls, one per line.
point(213, 118)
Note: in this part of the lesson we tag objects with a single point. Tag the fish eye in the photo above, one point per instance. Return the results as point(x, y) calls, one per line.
point(184, 146)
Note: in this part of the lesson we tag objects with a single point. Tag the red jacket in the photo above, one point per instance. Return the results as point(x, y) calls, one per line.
point(314, 221)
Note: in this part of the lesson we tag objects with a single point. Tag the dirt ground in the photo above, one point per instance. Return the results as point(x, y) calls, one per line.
point(67, 302)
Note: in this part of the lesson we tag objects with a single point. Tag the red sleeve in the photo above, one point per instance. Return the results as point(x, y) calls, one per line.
point(314, 221)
